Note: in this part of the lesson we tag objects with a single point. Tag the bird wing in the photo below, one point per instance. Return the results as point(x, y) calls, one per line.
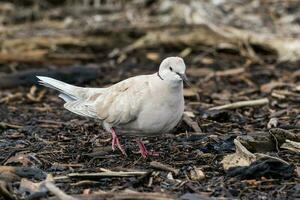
point(81, 107)
point(121, 103)
point(115, 105)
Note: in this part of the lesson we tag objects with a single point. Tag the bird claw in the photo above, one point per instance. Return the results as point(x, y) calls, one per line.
point(116, 142)
point(143, 151)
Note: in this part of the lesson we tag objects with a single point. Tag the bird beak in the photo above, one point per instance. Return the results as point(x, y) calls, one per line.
point(185, 79)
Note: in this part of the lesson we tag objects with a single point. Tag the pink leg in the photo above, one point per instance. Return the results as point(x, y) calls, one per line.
point(116, 142)
point(143, 151)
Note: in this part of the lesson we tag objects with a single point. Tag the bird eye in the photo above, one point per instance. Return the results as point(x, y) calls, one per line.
point(171, 68)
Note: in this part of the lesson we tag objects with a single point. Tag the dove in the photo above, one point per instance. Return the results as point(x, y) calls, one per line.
point(140, 106)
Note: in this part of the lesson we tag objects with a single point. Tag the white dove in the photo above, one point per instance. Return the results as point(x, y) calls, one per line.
point(145, 105)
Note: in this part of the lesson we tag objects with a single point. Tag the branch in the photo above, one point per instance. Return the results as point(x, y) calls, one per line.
point(241, 104)
point(106, 174)
point(56, 191)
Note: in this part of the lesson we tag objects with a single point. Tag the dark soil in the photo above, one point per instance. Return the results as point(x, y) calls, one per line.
point(36, 131)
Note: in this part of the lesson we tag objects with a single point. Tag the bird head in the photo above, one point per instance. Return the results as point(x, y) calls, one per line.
point(172, 69)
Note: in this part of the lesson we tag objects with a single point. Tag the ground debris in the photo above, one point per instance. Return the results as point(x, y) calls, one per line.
point(106, 174)
point(123, 195)
point(158, 165)
point(292, 146)
point(250, 56)
point(264, 167)
point(242, 157)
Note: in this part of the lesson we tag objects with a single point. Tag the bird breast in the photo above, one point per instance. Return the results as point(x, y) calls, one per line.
point(159, 114)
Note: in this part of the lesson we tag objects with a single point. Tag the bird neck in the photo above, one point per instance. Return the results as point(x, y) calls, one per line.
point(170, 84)
point(159, 76)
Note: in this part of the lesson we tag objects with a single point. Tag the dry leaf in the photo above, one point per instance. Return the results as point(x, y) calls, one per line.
point(242, 157)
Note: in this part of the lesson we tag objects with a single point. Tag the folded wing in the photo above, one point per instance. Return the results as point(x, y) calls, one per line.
point(115, 105)
point(121, 103)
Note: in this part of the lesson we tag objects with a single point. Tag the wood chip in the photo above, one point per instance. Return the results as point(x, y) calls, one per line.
point(161, 166)
point(190, 122)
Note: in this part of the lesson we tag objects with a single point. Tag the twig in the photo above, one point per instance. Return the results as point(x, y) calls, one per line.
point(11, 97)
point(240, 104)
point(124, 195)
point(5, 125)
point(106, 174)
point(193, 124)
point(60, 178)
point(75, 165)
point(164, 167)
point(56, 191)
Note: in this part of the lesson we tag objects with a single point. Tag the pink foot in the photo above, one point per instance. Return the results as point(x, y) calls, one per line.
point(116, 142)
point(143, 151)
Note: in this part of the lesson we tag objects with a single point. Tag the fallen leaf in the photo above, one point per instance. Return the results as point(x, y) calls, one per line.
point(242, 157)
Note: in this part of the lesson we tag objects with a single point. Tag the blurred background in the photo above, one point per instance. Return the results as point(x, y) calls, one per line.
point(235, 50)
point(134, 36)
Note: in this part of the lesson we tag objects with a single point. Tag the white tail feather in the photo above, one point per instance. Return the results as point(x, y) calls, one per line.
point(75, 97)
point(66, 98)
point(69, 92)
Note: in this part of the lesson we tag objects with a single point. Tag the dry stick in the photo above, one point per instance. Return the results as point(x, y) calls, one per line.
point(106, 174)
point(164, 167)
point(193, 124)
point(124, 195)
point(7, 125)
point(240, 104)
point(56, 191)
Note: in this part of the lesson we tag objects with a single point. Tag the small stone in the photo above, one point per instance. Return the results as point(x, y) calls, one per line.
point(272, 123)
point(197, 174)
